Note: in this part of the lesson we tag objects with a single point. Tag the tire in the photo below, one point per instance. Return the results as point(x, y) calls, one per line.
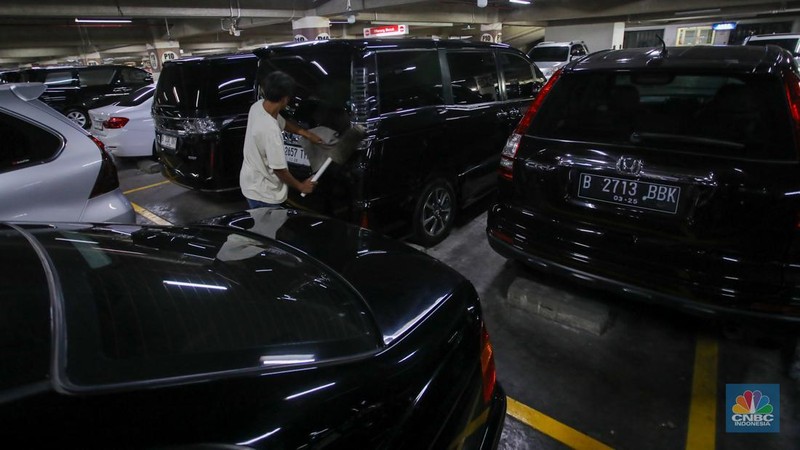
point(80, 117)
point(434, 213)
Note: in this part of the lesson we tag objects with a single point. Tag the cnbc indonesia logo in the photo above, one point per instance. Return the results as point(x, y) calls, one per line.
point(753, 411)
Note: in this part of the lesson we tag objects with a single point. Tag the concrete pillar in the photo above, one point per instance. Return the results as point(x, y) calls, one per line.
point(617, 36)
point(492, 32)
point(160, 51)
point(311, 28)
point(92, 59)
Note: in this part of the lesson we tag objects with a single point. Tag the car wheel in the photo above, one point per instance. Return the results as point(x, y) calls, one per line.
point(435, 212)
point(80, 117)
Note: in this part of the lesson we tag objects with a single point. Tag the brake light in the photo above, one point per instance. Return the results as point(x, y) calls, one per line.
point(107, 179)
point(509, 154)
point(488, 372)
point(115, 122)
point(792, 85)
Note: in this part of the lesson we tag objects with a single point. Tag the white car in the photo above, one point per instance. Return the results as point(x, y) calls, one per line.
point(50, 168)
point(551, 56)
point(126, 128)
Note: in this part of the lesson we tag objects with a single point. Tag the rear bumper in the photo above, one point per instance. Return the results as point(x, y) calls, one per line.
point(111, 207)
point(547, 252)
point(497, 417)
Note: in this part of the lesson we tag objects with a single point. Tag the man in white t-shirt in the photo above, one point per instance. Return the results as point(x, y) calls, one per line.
point(265, 176)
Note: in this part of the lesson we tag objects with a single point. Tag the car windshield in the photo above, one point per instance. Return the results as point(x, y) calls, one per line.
point(138, 96)
point(156, 303)
point(549, 54)
point(736, 116)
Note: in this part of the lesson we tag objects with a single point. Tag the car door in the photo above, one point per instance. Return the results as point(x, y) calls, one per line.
point(98, 87)
point(37, 180)
point(477, 125)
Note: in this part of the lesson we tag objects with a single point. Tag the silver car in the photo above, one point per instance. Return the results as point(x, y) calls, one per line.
point(51, 169)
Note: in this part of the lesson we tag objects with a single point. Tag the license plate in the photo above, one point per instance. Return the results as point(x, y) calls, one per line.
point(638, 194)
point(295, 155)
point(170, 142)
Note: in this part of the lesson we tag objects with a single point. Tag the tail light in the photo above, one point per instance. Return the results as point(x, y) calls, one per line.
point(488, 373)
point(107, 179)
point(509, 154)
point(792, 85)
point(115, 122)
point(364, 222)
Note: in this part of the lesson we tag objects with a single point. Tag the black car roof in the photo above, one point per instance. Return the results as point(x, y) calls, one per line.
point(374, 44)
point(733, 58)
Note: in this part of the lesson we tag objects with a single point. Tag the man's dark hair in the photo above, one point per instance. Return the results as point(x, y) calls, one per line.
point(276, 85)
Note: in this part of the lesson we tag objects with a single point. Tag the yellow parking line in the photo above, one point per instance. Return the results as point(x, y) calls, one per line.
point(553, 428)
point(146, 187)
point(149, 215)
point(702, 431)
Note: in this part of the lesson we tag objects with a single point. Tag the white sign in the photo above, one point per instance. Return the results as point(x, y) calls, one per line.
point(168, 56)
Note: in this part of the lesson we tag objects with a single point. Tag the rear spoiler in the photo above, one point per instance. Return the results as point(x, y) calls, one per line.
point(25, 91)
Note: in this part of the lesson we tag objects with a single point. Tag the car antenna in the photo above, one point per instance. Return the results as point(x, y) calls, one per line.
point(664, 53)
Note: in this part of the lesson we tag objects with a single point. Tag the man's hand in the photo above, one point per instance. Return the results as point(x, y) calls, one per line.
point(307, 186)
point(311, 136)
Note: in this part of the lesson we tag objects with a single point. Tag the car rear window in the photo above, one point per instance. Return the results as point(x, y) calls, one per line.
point(138, 96)
point(152, 303)
point(218, 86)
point(735, 116)
point(785, 43)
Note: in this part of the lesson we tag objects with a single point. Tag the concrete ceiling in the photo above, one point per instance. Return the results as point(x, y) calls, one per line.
point(45, 31)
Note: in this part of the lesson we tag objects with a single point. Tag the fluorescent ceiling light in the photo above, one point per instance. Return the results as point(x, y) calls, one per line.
point(102, 20)
point(698, 11)
point(521, 2)
point(420, 24)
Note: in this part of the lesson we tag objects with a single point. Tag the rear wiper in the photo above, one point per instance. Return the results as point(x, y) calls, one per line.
point(638, 137)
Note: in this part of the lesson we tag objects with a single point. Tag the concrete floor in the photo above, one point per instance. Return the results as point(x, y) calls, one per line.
point(629, 387)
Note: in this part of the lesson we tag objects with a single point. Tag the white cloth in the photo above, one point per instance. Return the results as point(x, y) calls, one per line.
point(263, 154)
point(318, 153)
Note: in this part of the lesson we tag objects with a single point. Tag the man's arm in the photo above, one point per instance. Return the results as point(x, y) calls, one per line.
point(292, 127)
point(306, 186)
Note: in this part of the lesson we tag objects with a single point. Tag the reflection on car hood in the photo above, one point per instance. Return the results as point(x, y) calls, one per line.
point(412, 284)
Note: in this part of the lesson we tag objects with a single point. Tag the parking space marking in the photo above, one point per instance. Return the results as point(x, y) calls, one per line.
point(130, 191)
point(553, 428)
point(702, 431)
point(149, 215)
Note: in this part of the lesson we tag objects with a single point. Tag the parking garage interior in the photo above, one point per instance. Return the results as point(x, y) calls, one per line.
point(582, 368)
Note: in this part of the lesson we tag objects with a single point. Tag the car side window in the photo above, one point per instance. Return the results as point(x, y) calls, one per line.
point(132, 76)
point(96, 77)
point(519, 77)
point(473, 77)
point(409, 79)
point(577, 50)
point(24, 144)
point(58, 78)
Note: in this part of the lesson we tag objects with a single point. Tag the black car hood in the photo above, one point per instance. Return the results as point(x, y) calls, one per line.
point(400, 284)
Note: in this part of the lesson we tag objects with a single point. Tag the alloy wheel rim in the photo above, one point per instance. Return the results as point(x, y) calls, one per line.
point(437, 211)
point(77, 117)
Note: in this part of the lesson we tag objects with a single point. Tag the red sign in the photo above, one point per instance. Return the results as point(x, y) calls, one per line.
point(386, 30)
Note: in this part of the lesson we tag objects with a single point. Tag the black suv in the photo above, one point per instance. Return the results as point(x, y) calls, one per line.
point(76, 90)
point(667, 174)
point(436, 115)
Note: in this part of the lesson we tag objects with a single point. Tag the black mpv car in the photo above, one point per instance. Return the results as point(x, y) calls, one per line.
point(267, 329)
point(667, 174)
point(436, 115)
point(75, 90)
